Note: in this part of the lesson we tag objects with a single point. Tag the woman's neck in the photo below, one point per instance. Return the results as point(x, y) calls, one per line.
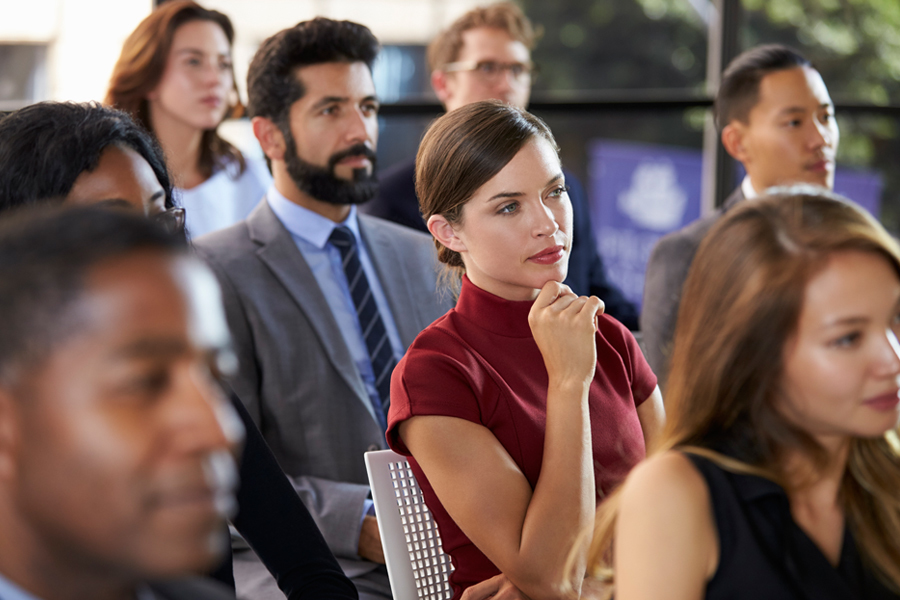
point(815, 498)
point(181, 144)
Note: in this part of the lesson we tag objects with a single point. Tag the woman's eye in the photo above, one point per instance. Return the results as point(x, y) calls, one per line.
point(848, 340)
point(895, 322)
point(559, 191)
point(508, 208)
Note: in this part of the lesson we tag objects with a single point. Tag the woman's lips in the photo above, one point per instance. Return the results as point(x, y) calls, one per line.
point(884, 402)
point(548, 256)
point(212, 101)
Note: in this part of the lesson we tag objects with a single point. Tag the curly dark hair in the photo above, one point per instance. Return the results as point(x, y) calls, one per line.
point(272, 86)
point(44, 147)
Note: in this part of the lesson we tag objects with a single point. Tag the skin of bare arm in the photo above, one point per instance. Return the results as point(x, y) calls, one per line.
point(526, 534)
point(498, 587)
point(666, 540)
point(652, 415)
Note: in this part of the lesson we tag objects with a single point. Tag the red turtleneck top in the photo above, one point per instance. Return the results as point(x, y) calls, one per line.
point(479, 362)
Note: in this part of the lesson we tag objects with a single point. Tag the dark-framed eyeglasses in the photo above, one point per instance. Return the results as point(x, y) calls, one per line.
point(171, 219)
point(491, 70)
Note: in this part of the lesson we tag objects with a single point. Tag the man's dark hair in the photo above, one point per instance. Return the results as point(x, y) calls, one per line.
point(272, 85)
point(46, 146)
point(45, 256)
point(739, 90)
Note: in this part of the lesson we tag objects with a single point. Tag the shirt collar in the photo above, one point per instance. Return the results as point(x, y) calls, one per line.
point(10, 591)
point(495, 314)
point(748, 189)
point(306, 224)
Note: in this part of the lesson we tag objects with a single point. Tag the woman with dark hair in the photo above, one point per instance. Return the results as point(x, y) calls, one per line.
point(778, 475)
point(70, 153)
point(523, 405)
point(45, 147)
point(175, 77)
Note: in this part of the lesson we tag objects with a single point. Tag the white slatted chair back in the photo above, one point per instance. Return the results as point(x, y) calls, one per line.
point(416, 563)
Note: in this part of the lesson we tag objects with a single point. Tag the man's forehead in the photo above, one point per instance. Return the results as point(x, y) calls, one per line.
point(485, 42)
point(156, 291)
point(793, 88)
point(341, 79)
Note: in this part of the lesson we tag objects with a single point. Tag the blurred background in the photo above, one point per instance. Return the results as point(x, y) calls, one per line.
point(625, 85)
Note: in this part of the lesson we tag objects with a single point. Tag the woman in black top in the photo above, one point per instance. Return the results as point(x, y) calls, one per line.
point(779, 476)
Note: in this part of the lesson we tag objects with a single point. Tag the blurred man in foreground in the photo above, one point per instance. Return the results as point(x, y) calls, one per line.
point(116, 465)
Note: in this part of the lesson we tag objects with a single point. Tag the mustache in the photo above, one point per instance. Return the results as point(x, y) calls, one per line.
point(354, 150)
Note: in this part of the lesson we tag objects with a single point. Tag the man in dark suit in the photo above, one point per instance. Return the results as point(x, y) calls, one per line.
point(322, 301)
point(486, 55)
point(116, 466)
point(775, 116)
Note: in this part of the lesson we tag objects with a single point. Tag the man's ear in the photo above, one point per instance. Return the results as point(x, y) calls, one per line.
point(270, 138)
point(9, 434)
point(733, 139)
point(443, 232)
point(439, 84)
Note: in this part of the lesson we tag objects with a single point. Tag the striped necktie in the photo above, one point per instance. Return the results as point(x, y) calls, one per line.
point(381, 354)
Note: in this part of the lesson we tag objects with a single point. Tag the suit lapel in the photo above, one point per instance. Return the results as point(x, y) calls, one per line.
point(394, 280)
point(280, 254)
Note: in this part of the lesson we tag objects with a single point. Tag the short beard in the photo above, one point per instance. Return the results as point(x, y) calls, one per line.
point(322, 184)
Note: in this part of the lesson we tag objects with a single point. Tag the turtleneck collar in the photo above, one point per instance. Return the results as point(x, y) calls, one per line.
point(503, 317)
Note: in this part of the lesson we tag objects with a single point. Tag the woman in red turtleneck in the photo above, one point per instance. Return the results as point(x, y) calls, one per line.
point(524, 405)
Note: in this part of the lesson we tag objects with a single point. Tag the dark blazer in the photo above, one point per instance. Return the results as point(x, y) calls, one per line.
point(397, 201)
point(667, 270)
point(190, 588)
point(290, 547)
point(296, 375)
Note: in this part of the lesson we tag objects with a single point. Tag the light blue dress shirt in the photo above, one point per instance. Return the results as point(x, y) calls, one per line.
point(10, 591)
point(310, 232)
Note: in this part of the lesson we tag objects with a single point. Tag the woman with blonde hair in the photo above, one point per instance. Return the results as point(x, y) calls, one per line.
point(175, 77)
point(779, 474)
point(524, 404)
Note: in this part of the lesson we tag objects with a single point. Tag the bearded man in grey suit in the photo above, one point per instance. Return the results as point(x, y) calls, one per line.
point(775, 116)
point(322, 301)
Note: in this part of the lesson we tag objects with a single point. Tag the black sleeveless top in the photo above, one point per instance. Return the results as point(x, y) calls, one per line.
point(764, 554)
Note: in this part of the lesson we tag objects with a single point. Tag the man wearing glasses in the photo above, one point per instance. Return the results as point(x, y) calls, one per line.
point(486, 55)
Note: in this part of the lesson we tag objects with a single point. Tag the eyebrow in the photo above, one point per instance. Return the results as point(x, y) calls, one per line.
point(115, 203)
point(501, 195)
point(152, 347)
point(848, 321)
point(199, 52)
point(330, 100)
point(801, 110)
point(339, 100)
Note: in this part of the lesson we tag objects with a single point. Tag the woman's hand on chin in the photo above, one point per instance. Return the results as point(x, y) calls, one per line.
point(563, 326)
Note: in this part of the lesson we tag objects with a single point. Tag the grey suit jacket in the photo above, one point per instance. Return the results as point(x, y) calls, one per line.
point(296, 374)
point(666, 273)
